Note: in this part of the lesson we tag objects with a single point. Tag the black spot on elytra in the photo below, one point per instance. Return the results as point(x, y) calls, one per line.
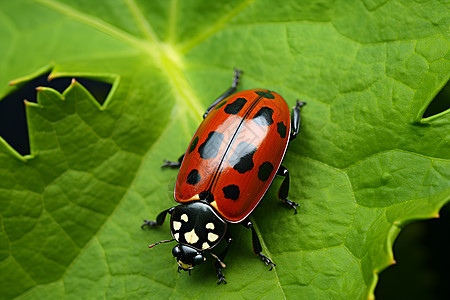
point(281, 128)
point(242, 158)
point(264, 116)
point(211, 146)
point(265, 94)
point(193, 144)
point(265, 169)
point(231, 192)
point(235, 107)
point(220, 104)
point(193, 177)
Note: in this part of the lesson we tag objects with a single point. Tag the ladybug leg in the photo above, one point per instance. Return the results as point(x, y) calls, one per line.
point(257, 245)
point(172, 164)
point(295, 121)
point(219, 259)
point(229, 92)
point(284, 188)
point(159, 219)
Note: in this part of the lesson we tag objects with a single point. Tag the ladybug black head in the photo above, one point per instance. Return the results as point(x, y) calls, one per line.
point(187, 257)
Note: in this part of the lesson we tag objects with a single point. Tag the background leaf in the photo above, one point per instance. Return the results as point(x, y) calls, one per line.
point(366, 162)
point(422, 261)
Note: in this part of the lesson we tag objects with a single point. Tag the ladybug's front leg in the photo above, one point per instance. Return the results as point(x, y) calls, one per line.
point(219, 259)
point(257, 244)
point(173, 164)
point(159, 219)
point(284, 188)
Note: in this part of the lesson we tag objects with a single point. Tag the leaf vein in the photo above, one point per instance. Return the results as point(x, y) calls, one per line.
point(96, 23)
point(214, 28)
point(268, 252)
point(142, 22)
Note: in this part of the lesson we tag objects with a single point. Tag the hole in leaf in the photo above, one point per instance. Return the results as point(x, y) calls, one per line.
point(423, 262)
point(440, 103)
point(13, 125)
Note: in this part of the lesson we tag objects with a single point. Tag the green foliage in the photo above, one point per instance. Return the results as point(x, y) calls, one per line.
point(365, 164)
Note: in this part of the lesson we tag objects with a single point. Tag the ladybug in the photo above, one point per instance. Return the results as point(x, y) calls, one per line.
point(226, 170)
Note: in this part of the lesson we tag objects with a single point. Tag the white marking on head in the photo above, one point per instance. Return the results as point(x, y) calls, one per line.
point(205, 246)
point(176, 236)
point(212, 237)
point(191, 237)
point(210, 226)
point(176, 225)
point(184, 217)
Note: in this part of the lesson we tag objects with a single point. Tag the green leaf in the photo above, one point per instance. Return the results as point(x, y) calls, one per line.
point(364, 165)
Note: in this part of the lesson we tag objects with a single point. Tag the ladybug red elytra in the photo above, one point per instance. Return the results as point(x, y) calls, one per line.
point(226, 170)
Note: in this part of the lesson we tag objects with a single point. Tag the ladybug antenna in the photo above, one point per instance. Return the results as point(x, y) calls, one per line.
point(162, 242)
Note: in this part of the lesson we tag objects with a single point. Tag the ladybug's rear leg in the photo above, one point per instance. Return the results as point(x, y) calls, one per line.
point(284, 188)
point(257, 244)
point(229, 92)
point(295, 121)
